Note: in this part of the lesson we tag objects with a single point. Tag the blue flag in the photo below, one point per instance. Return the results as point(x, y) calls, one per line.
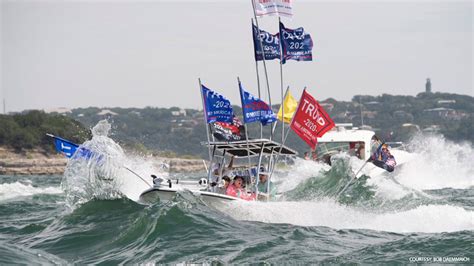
point(216, 107)
point(69, 149)
point(271, 44)
point(296, 44)
point(65, 146)
point(255, 109)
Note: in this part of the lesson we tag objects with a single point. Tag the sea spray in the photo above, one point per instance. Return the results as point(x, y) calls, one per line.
point(439, 163)
point(94, 176)
point(107, 172)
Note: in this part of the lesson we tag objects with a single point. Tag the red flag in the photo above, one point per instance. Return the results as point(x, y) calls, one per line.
point(310, 121)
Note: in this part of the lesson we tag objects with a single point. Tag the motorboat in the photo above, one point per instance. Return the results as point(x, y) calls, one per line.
point(358, 143)
point(253, 157)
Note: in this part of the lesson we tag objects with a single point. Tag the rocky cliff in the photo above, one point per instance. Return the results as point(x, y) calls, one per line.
point(37, 162)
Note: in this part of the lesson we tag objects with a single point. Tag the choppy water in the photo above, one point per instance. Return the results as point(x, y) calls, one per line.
point(427, 213)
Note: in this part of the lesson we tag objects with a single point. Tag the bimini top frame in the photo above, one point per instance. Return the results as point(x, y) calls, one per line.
point(250, 148)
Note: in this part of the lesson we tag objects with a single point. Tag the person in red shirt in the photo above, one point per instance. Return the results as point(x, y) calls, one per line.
point(236, 190)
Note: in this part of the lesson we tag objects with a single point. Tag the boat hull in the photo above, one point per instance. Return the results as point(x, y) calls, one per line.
point(164, 194)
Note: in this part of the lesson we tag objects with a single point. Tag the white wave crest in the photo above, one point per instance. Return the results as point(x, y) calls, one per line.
point(426, 218)
point(18, 189)
point(438, 163)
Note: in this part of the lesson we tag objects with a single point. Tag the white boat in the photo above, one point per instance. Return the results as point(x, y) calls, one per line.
point(360, 143)
point(253, 155)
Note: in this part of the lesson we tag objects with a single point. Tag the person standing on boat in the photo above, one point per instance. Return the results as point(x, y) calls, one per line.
point(236, 190)
point(383, 158)
point(263, 187)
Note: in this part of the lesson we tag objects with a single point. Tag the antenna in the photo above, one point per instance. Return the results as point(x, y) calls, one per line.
point(361, 114)
point(4, 107)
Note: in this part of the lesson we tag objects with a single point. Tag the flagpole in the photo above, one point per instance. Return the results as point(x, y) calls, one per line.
point(245, 125)
point(263, 59)
point(287, 133)
point(282, 113)
point(258, 81)
point(281, 83)
point(205, 123)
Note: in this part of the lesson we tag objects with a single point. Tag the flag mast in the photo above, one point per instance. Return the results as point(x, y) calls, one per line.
point(205, 123)
point(245, 124)
point(287, 133)
point(281, 83)
point(263, 59)
point(258, 77)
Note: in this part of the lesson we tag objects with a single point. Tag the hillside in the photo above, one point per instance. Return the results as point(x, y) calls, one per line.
point(175, 132)
point(28, 130)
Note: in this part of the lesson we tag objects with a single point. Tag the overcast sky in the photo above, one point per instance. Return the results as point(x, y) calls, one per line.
point(151, 53)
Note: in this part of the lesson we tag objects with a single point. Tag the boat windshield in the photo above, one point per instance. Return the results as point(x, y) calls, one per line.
point(326, 149)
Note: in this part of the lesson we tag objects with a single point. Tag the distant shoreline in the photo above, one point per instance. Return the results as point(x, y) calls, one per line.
point(30, 162)
point(37, 162)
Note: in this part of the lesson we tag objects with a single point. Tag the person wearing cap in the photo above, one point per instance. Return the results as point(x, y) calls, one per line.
point(263, 186)
point(383, 158)
point(236, 190)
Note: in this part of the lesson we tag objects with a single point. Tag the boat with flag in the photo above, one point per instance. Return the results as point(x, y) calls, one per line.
point(248, 174)
point(214, 189)
point(360, 145)
point(250, 160)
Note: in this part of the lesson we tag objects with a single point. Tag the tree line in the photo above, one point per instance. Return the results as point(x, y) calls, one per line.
point(28, 130)
point(167, 132)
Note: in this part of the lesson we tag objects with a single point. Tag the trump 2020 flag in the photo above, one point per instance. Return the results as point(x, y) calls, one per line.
point(216, 106)
point(271, 44)
point(254, 109)
point(273, 7)
point(310, 121)
point(296, 44)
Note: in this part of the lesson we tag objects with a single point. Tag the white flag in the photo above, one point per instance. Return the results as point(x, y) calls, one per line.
point(273, 8)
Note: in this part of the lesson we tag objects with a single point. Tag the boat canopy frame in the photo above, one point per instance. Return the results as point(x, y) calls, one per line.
point(247, 149)
point(251, 148)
